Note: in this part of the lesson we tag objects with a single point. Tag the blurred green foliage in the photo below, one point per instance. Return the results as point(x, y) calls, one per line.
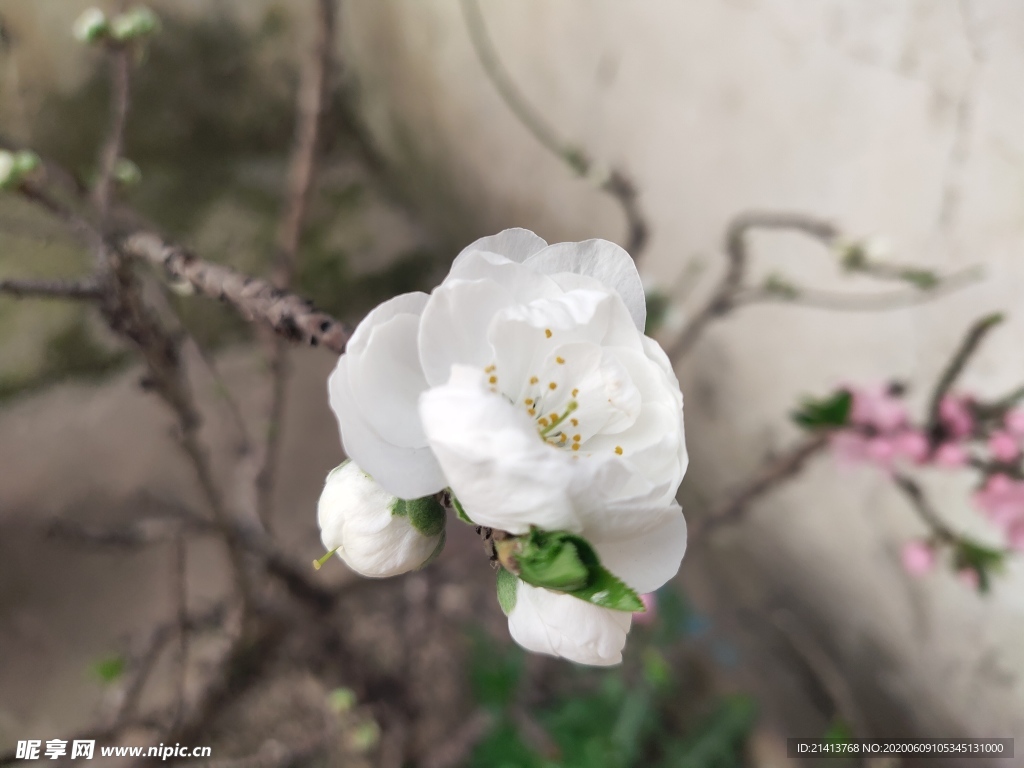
point(607, 718)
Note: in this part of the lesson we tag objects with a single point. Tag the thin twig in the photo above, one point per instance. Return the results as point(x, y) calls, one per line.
point(838, 301)
point(120, 62)
point(920, 504)
point(972, 340)
point(310, 107)
point(179, 581)
point(294, 318)
point(613, 182)
point(772, 473)
point(87, 289)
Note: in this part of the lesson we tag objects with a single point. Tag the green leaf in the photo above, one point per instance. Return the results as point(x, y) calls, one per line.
point(984, 561)
point(827, 413)
point(508, 585)
point(426, 514)
point(459, 510)
point(565, 562)
point(110, 669)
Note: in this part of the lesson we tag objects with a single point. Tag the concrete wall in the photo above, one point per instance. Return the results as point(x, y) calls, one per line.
point(899, 117)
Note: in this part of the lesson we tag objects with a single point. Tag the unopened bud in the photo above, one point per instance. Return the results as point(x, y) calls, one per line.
point(90, 26)
point(133, 24)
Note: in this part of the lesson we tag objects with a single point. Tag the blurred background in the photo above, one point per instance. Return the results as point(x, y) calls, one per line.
point(894, 118)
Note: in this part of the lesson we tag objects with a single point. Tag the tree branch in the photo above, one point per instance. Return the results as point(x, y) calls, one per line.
point(310, 106)
point(87, 289)
point(772, 472)
point(292, 317)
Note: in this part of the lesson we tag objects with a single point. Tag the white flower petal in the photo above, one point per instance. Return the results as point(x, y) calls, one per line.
point(404, 304)
point(600, 259)
point(502, 472)
point(409, 473)
point(454, 326)
point(523, 283)
point(561, 625)
point(648, 558)
point(387, 380)
point(514, 244)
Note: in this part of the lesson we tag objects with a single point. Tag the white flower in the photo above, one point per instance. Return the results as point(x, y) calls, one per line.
point(525, 384)
point(90, 25)
point(376, 534)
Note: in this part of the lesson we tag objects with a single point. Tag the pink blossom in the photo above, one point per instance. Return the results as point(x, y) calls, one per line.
point(918, 558)
point(950, 456)
point(1015, 536)
point(876, 407)
point(1003, 446)
point(1014, 422)
point(650, 613)
point(912, 445)
point(1002, 500)
point(881, 450)
point(849, 447)
point(969, 576)
point(956, 415)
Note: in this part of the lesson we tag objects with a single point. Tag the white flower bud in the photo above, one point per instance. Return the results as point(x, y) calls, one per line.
point(90, 26)
point(374, 532)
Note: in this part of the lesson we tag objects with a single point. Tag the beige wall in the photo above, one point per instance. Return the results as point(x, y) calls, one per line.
point(895, 117)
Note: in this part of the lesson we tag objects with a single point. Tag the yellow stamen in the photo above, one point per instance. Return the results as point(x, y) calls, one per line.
point(543, 421)
point(532, 411)
point(575, 446)
point(529, 401)
point(560, 360)
point(575, 392)
point(490, 368)
point(493, 380)
point(318, 564)
point(534, 379)
point(547, 332)
point(575, 438)
point(552, 385)
point(575, 422)
point(618, 449)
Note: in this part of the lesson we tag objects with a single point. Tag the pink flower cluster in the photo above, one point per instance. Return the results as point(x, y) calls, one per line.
point(880, 433)
point(1001, 498)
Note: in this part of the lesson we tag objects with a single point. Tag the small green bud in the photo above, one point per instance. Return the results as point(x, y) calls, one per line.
point(25, 162)
point(138, 22)
point(127, 172)
point(365, 737)
point(8, 170)
point(341, 700)
point(508, 587)
point(90, 26)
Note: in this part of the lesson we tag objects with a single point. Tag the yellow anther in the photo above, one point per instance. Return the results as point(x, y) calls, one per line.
point(532, 411)
point(575, 438)
point(489, 368)
point(562, 437)
point(534, 379)
point(560, 360)
point(547, 332)
point(493, 379)
point(553, 416)
point(542, 421)
point(618, 449)
point(575, 422)
point(575, 392)
point(529, 401)
point(552, 385)
point(575, 446)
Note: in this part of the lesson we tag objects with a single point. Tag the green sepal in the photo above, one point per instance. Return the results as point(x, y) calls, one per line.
point(827, 413)
point(508, 585)
point(459, 509)
point(426, 514)
point(437, 549)
point(565, 562)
